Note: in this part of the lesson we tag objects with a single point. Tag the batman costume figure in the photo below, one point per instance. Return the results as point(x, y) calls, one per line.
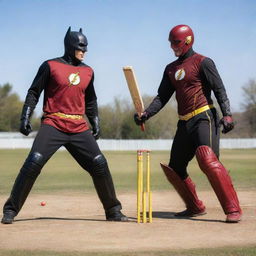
point(69, 95)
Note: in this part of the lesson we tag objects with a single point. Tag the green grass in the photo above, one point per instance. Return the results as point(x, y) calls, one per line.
point(62, 173)
point(227, 251)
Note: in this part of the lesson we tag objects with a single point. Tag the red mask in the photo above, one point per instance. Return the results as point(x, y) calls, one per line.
point(181, 38)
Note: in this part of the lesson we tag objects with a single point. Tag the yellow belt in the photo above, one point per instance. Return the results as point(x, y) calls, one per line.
point(74, 117)
point(195, 112)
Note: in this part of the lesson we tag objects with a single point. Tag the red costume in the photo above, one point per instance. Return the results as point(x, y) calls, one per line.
point(185, 78)
point(192, 77)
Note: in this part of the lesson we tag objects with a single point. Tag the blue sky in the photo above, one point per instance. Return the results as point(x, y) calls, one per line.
point(124, 33)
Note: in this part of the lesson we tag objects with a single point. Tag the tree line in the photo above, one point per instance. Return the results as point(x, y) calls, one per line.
point(116, 119)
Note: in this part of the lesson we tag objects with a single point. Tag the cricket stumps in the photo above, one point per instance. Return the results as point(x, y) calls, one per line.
point(144, 195)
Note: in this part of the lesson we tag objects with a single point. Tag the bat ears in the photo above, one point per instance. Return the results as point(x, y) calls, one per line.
point(69, 30)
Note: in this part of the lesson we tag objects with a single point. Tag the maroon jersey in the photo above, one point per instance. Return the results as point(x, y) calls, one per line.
point(192, 77)
point(65, 93)
point(185, 77)
point(68, 94)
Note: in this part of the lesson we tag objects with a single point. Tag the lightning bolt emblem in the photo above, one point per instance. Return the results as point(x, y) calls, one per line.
point(180, 74)
point(74, 79)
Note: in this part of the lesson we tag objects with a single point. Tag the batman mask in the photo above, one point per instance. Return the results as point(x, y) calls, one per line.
point(74, 41)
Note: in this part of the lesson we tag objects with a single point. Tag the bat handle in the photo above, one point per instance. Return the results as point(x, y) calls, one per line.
point(142, 127)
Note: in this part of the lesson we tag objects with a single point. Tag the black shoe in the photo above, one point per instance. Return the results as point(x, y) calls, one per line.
point(8, 217)
point(116, 216)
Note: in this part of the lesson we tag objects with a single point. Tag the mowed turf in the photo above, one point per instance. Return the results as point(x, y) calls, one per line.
point(62, 173)
point(227, 251)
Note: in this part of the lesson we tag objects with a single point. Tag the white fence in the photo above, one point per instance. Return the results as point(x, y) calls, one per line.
point(16, 140)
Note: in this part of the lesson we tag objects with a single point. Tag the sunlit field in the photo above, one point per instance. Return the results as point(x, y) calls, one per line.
point(63, 173)
point(63, 176)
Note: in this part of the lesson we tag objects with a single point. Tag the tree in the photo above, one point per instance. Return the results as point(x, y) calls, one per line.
point(111, 119)
point(117, 121)
point(10, 108)
point(249, 105)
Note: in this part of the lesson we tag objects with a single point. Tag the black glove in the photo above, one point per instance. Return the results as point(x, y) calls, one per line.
point(95, 127)
point(140, 120)
point(25, 126)
point(228, 124)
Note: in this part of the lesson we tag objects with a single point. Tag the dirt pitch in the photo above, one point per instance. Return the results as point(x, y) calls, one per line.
point(75, 222)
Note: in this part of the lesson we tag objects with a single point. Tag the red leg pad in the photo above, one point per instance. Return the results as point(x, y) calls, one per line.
point(219, 179)
point(186, 190)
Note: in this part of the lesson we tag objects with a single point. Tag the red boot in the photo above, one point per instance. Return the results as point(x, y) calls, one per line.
point(186, 190)
point(220, 182)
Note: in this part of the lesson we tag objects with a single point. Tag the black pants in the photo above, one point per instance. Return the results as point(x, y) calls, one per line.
point(202, 129)
point(83, 147)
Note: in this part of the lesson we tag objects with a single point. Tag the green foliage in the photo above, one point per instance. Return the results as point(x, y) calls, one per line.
point(5, 91)
point(10, 108)
point(117, 121)
point(35, 122)
point(112, 118)
point(250, 106)
point(117, 118)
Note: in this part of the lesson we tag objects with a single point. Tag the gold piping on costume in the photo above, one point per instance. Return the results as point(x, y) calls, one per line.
point(195, 112)
point(68, 116)
point(210, 124)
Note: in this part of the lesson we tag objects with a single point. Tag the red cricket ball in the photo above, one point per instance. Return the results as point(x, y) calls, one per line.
point(43, 203)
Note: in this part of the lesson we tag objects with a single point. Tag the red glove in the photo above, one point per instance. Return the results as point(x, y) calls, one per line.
point(228, 124)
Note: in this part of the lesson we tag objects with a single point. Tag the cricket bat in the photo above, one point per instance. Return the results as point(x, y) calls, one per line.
point(134, 91)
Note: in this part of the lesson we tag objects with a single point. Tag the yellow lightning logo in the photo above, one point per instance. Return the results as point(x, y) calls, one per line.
point(74, 79)
point(180, 74)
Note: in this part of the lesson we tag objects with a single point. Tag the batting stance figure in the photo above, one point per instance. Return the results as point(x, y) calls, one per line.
point(68, 95)
point(192, 77)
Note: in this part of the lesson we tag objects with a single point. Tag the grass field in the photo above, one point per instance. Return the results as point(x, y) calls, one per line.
point(63, 175)
point(250, 251)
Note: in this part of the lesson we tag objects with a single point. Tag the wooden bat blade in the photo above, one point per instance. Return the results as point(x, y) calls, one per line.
point(134, 89)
